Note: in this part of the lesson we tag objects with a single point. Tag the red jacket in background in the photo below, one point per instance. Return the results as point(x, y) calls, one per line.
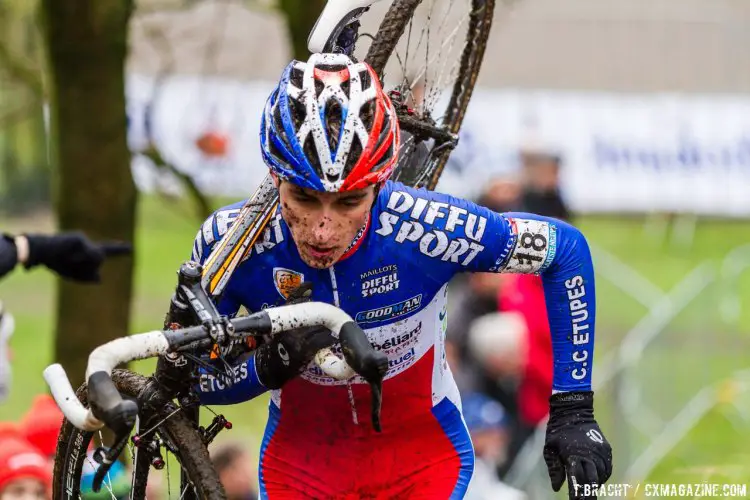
point(525, 294)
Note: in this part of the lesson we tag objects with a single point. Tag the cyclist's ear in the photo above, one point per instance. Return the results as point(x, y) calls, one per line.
point(375, 194)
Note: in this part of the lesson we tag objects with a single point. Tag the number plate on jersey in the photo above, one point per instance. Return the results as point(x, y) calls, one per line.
point(535, 246)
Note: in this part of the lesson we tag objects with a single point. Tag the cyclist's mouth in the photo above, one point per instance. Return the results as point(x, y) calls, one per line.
point(319, 252)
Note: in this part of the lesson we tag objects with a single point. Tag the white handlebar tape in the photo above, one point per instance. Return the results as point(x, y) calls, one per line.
point(66, 399)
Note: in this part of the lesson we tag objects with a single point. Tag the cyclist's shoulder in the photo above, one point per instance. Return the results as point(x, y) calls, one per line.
point(440, 233)
point(222, 219)
point(216, 226)
point(399, 197)
point(398, 203)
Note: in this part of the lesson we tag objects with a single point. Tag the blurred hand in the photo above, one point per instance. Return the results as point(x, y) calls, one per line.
point(72, 255)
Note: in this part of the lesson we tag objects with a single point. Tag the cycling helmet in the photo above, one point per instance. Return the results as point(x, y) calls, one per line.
point(329, 126)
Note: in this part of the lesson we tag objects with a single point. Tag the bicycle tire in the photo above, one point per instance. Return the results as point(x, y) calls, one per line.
point(389, 33)
point(193, 454)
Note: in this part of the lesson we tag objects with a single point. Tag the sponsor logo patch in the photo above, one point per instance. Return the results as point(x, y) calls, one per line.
point(533, 247)
point(286, 280)
point(381, 280)
point(218, 382)
point(412, 219)
point(391, 311)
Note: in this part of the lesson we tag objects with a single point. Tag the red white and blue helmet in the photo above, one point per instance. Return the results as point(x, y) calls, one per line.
point(329, 126)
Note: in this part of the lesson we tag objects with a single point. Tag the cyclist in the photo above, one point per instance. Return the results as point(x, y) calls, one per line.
point(71, 255)
point(384, 253)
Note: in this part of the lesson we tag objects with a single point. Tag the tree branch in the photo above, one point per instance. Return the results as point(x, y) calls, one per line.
point(19, 69)
point(199, 199)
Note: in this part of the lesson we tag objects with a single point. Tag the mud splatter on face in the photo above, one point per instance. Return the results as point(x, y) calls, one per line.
point(323, 225)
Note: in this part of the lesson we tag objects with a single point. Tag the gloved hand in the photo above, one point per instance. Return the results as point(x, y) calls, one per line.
point(575, 447)
point(72, 255)
point(288, 353)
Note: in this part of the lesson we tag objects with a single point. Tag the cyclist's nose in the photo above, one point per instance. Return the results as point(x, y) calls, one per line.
point(323, 230)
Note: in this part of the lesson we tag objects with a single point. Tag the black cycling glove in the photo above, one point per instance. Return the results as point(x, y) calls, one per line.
point(72, 255)
point(288, 353)
point(575, 447)
point(8, 254)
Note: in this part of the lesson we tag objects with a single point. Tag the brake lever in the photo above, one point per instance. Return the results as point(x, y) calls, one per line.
point(106, 458)
point(372, 365)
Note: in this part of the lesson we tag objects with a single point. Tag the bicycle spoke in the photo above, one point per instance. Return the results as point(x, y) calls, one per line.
point(169, 481)
point(428, 58)
point(451, 39)
point(161, 422)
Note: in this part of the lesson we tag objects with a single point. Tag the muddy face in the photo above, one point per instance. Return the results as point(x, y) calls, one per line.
point(323, 224)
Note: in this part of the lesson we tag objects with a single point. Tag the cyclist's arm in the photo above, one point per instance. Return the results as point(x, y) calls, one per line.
point(532, 244)
point(447, 235)
point(244, 384)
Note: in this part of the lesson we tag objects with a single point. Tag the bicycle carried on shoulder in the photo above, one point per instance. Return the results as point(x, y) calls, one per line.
point(421, 49)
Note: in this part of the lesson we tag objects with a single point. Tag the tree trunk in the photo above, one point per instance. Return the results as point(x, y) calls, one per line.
point(300, 19)
point(87, 45)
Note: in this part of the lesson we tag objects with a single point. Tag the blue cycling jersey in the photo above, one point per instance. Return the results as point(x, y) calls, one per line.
point(393, 282)
point(415, 242)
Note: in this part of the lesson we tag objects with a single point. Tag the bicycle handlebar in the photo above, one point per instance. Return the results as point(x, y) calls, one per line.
point(107, 407)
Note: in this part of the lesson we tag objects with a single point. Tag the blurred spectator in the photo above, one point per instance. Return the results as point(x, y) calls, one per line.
point(41, 425)
point(497, 341)
point(476, 294)
point(503, 194)
point(472, 296)
point(523, 296)
point(235, 469)
point(486, 421)
point(497, 344)
point(24, 471)
point(541, 180)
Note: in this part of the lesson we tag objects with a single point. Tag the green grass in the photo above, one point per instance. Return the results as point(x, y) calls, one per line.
point(699, 347)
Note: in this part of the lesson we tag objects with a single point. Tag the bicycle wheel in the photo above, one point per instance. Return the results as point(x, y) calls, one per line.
point(171, 430)
point(431, 51)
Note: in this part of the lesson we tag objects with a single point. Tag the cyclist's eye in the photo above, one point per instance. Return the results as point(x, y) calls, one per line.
point(350, 202)
point(301, 197)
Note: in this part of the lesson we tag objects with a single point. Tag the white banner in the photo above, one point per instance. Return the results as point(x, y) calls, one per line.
point(622, 153)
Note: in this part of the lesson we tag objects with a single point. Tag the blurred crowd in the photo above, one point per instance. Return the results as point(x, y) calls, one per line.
point(498, 341)
point(27, 451)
